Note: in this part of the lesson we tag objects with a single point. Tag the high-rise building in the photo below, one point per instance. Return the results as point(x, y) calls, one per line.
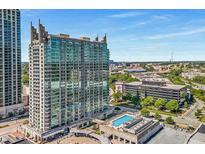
point(68, 81)
point(10, 63)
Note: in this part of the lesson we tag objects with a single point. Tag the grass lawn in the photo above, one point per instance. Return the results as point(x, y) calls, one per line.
point(119, 103)
point(152, 109)
point(200, 94)
point(176, 80)
point(162, 112)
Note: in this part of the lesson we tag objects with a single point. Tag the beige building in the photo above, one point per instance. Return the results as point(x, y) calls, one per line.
point(192, 74)
point(25, 95)
point(68, 81)
point(153, 87)
point(129, 128)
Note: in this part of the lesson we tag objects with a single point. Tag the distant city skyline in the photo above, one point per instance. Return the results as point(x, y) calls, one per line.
point(133, 35)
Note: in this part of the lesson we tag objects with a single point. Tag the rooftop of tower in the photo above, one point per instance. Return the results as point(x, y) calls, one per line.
point(83, 38)
point(41, 34)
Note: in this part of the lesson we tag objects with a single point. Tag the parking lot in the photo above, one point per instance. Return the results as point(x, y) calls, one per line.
point(199, 137)
point(169, 136)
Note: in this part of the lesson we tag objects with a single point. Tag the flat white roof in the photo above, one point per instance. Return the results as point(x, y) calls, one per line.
point(134, 83)
point(172, 86)
point(167, 86)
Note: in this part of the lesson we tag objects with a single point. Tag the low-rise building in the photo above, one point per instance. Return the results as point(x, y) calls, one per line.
point(155, 88)
point(149, 75)
point(134, 70)
point(192, 74)
point(134, 65)
point(129, 128)
point(162, 68)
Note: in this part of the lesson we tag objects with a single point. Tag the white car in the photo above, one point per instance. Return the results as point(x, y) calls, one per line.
point(14, 118)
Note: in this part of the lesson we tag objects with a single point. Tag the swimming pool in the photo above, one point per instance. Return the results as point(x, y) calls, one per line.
point(122, 120)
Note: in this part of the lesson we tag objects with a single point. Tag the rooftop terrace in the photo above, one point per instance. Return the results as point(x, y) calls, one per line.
point(131, 128)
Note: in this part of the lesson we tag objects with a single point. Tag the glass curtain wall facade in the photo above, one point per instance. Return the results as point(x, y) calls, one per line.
point(10, 60)
point(73, 76)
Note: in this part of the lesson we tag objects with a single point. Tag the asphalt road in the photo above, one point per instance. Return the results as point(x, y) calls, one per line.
point(14, 118)
point(191, 112)
point(169, 136)
point(12, 126)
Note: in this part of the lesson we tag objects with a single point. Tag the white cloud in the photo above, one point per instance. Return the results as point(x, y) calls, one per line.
point(134, 25)
point(127, 14)
point(143, 23)
point(171, 35)
point(160, 17)
point(152, 19)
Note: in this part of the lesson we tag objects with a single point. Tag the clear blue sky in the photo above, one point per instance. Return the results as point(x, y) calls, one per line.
point(133, 35)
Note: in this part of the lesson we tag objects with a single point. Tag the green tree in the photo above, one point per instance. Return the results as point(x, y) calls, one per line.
point(147, 101)
point(198, 93)
point(135, 99)
point(157, 116)
point(176, 72)
point(112, 86)
point(199, 79)
point(172, 105)
point(25, 78)
point(197, 114)
point(170, 120)
point(185, 105)
point(25, 73)
point(148, 68)
point(160, 103)
point(10, 114)
point(126, 97)
point(121, 77)
point(117, 96)
point(183, 95)
point(144, 112)
point(199, 111)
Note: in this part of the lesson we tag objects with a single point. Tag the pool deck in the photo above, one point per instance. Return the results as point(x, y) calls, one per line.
point(132, 130)
point(119, 121)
